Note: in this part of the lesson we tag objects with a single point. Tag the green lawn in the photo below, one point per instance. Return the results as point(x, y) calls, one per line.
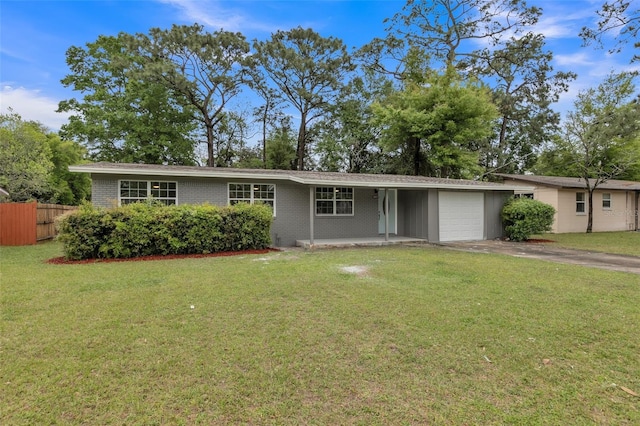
point(417, 335)
point(608, 242)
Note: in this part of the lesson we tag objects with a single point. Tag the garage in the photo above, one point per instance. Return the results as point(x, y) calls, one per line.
point(461, 216)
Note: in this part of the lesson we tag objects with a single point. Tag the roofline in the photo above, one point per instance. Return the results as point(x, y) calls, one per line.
point(220, 173)
point(533, 179)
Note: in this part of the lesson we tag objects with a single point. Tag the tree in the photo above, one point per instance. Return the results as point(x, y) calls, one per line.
point(525, 87)
point(618, 18)
point(69, 188)
point(555, 159)
point(25, 159)
point(603, 133)
point(451, 33)
point(229, 139)
point(269, 112)
point(347, 137)
point(34, 162)
point(309, 70)
point(207, 69)
point(281, 148)
point(122, 116)
point(445, 28)
point(439, 123)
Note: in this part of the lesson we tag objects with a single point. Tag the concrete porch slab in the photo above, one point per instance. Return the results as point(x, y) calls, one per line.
point(358, 242)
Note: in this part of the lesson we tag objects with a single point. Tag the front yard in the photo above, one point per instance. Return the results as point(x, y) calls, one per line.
point(607, 242)
point(403, 335)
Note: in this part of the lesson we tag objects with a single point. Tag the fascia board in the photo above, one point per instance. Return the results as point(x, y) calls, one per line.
point(174, 173)
point(265, 176)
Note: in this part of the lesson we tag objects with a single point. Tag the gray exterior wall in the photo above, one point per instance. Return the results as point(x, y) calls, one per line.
point(493, 203)
point(292, 219)
point(418, 214)
point(417, 209)
point(414, 214)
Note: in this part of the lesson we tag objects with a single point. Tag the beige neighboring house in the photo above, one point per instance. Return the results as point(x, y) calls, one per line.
point(615, 202)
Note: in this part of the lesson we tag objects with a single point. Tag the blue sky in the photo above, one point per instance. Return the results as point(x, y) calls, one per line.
point(34, 36)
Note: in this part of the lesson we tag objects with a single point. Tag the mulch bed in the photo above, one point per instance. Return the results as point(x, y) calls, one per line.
point(63, 261)
point(539, 240)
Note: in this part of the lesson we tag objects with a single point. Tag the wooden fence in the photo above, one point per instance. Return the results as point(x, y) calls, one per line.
point(27, 223)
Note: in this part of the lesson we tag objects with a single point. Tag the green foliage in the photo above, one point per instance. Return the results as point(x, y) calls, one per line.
point(526, 87)
point(70, 188)
point(308, 69)
point(25, 159)
point(150, 228)
point(281, 149)
point(205, 69)
point(618, 18)
point(524, 217)
point(34, 163)
point(124, 116)
point(439, 122)
point(347, 139)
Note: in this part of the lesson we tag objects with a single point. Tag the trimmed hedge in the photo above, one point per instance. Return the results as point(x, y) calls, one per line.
point(150, 228)
point(523, 217)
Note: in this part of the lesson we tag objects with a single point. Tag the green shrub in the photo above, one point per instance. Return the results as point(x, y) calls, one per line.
point(142, 229)
point(523, 217)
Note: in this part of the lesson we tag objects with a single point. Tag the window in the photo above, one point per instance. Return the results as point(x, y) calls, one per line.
point(334, 201)
point(133, 191)
point(606, 201)
point(580, 202)
point(528, 195)
point(253, 193)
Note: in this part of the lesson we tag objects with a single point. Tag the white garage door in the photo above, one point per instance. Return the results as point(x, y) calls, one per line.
point(461, 216)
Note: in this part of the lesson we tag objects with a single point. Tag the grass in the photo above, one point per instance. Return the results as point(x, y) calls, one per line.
point(416, 335)
point(608, 242)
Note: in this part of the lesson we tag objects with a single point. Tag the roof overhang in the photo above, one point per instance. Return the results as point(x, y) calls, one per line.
point(223, 173)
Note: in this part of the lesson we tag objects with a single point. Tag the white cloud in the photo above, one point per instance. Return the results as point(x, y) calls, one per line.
point(574, 59)
point(212, 15)
point(32, 105)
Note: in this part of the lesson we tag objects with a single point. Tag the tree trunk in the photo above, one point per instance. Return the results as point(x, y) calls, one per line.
point(416, 156)
point(302, 135)
point(210, 142)
point(501, 144)
point(264, 134)
point(590, 214)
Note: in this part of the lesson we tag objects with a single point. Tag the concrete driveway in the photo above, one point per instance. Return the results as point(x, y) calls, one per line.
point(544, 251)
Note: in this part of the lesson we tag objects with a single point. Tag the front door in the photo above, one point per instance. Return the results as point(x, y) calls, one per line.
point(393, 207)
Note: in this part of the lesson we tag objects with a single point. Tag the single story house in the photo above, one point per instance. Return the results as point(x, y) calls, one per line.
point(318, 205)
point(615, 202)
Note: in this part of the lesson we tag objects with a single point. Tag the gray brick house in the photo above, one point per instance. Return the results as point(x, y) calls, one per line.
point(318, 205)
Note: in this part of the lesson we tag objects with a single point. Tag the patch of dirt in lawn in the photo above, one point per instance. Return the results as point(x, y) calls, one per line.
point(360, 271)
point(63, 261)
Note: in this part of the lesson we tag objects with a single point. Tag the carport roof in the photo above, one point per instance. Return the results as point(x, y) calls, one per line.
point(302, 177)
point(572, 182)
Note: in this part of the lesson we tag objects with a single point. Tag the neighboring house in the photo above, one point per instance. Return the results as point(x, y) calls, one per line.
point(318, 205)
point(615, 202)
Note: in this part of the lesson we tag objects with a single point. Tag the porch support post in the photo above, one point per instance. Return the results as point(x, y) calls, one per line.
point(311, 216)
point(637, 209)
point(386, 214)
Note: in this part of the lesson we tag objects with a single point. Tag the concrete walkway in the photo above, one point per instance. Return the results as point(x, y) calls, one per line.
point(613, 262)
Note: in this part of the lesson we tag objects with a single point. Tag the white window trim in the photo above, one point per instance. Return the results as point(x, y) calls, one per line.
point(149, 196)
point(610, 199)
point(584, 203)
point(253, 200)
point(334, 214)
